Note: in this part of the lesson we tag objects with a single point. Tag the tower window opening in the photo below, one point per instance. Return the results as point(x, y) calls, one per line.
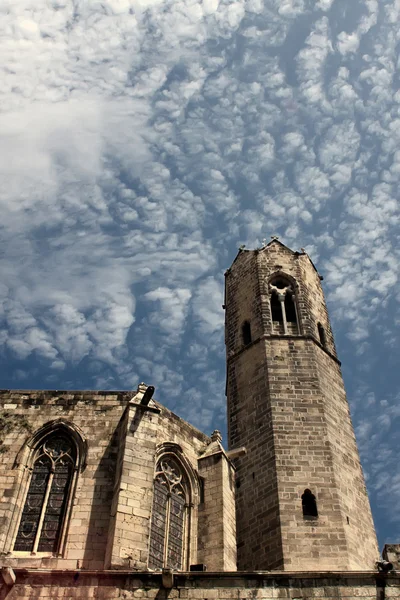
point(309, 504)
point(322, 334)
point(283, 306)
point(290, 309)
point(276, 309)
point(246, 333)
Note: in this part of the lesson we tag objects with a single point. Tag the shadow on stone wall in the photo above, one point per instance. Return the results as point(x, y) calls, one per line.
point(100, 515)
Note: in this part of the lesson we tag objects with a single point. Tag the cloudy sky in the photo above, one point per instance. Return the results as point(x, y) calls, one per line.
point(142, 141)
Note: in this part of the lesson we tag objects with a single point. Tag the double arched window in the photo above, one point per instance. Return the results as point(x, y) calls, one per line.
point(53, 457)
point(170, 515)
point(283, 306)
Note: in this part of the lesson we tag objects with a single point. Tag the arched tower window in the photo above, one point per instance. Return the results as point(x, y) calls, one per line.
point(276, 308)
point(322, 334)
point(246, 333)
point(283, 306)
point(290, 309)
point(309, 504)
point(169, 520)
point(44, 512)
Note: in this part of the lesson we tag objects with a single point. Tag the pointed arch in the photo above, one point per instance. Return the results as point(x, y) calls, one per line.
point(57, 425)
point(176, 493)
point(51, 460)
point(177, 451)
point(285, 277)
point(282, 289)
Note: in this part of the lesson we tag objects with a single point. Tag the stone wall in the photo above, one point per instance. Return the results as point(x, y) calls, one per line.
point(97, 415)
point(195, 586)
point(287, 406)
point(109, 519)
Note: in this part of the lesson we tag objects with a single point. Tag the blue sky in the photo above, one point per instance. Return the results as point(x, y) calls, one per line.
point(142, 141)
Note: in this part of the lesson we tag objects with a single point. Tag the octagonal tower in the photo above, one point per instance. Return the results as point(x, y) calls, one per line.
point(301, 497)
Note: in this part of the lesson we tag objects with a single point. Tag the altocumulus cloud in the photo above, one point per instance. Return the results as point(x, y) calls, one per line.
point(142, 141)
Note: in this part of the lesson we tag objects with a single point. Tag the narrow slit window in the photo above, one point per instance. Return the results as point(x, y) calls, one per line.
point(246, 333)
point(45, 506)
point(322, 334)
point(169, 516)
point(309, 504)
point(276, 309)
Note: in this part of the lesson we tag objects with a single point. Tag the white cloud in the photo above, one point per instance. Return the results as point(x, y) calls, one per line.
point(142, 141)
point(207, 306)
point(172, 312)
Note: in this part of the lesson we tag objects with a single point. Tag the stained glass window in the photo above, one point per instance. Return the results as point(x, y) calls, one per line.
point(43, 514)
point(167, 532)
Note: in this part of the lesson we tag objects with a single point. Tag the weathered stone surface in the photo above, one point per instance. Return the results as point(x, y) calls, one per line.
point(110, 517)
point(287, 405)
point(213, 586)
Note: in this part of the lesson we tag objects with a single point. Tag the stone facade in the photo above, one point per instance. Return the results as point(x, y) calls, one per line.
point(241, 514)
point(31, 584)
point(109, 518)
point(287, 406)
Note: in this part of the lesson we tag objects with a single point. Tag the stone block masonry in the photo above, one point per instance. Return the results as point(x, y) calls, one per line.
point(287, 406)
point(108, 585)
point(142, 505)
point(107, 522)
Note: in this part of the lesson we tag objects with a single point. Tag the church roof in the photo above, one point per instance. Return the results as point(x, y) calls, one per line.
point(274, 240)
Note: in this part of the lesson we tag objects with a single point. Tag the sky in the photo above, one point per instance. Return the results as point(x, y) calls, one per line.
point(143, 141)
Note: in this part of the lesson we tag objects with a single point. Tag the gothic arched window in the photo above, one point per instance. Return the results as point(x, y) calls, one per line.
point(44, 511)
point(283, 306)
point(276, 309)
point(309, 504)
point(168, 530)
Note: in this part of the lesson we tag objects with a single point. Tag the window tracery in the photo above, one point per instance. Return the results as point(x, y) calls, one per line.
point(283, 306)
point(45, 505)
point(169, 515)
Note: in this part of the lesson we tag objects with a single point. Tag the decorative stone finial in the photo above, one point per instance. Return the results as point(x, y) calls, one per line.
point(274, 237)
point(216, 436)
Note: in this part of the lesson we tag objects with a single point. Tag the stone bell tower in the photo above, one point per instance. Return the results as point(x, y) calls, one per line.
point(301, 498)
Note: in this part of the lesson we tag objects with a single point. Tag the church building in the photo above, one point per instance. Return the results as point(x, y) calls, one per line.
point(108, 494)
